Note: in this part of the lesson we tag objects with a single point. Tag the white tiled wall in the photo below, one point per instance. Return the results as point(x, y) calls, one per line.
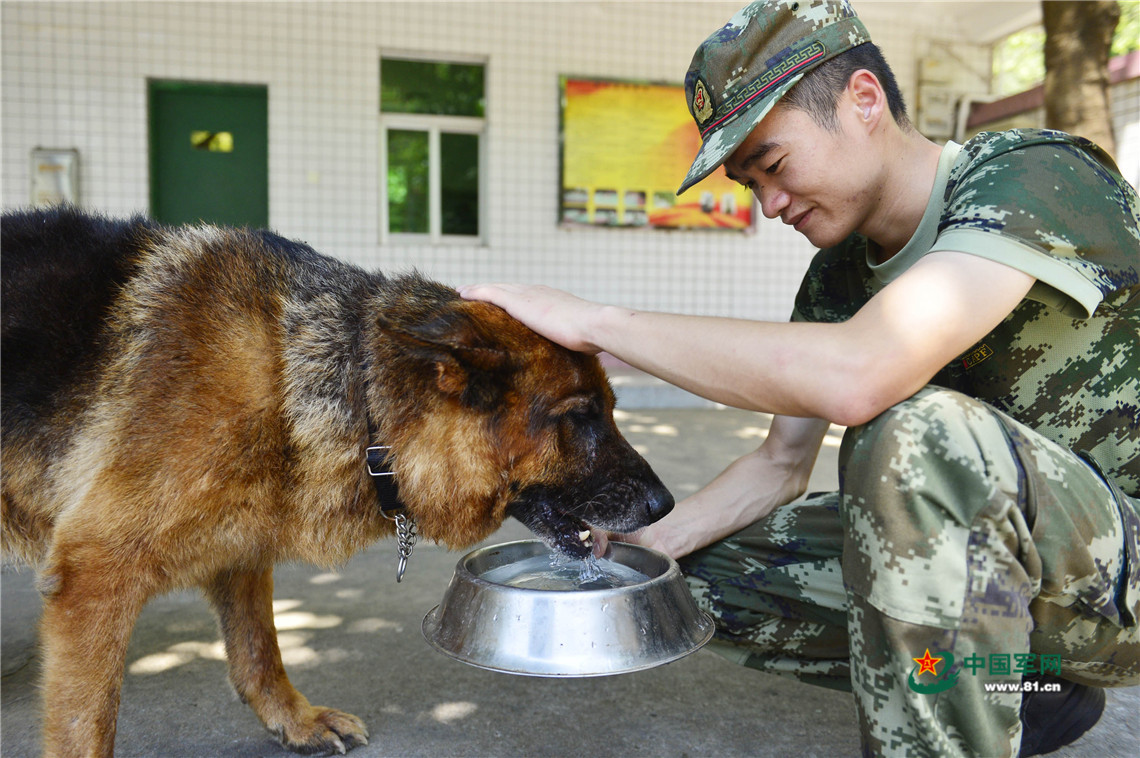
point(1126, 123)
point(74, 76)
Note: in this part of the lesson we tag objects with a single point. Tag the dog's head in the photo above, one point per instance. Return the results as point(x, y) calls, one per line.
point(488, 419)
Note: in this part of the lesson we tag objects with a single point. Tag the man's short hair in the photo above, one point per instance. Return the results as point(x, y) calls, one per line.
point(817, 94)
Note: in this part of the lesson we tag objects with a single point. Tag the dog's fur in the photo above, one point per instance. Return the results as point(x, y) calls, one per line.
point(187, 407)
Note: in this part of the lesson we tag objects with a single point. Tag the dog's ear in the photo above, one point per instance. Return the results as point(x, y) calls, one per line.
point(455, 338)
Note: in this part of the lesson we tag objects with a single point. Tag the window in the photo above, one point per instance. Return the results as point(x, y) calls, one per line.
point(431, 124)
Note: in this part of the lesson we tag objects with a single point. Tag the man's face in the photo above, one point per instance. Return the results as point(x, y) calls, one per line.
point(818, 181)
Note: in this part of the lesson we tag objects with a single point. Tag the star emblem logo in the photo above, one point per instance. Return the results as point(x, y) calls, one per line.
point(927, 663)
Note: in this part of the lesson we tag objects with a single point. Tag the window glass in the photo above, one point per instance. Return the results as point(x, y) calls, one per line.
point(407, 181)
point(459, 177)
point(443, 89)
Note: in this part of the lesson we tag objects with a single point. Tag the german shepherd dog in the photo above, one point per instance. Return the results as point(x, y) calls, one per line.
point(189, 406)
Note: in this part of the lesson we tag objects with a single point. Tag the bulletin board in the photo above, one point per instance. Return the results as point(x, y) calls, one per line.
point(626, 147)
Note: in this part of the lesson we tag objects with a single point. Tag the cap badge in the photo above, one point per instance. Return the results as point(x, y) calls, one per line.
point(702, 106)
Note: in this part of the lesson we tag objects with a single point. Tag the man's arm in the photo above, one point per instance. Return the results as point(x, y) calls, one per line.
point(775, 473)
point(846, 373)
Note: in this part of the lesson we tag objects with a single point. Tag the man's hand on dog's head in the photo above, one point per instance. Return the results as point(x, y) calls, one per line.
point(559, 316)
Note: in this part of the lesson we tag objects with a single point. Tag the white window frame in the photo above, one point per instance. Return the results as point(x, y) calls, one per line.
point(434, 126)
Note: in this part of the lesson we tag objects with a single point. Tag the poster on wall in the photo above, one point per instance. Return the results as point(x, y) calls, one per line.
point(626, 146)
point(55, 177)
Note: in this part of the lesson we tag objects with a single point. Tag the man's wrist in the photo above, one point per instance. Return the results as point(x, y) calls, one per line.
point(606, 326)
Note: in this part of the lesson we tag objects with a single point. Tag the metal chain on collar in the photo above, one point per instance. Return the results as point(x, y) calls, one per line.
point(405, 540)
point(379, 464)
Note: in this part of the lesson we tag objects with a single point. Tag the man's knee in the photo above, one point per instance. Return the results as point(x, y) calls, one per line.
point(938, 451)
point(921, 484)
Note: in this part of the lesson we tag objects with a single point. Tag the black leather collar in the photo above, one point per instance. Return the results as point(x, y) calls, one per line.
point(378, 459)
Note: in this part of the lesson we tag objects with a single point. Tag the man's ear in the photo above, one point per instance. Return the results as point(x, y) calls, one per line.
point(866, 95)
point(449, 337)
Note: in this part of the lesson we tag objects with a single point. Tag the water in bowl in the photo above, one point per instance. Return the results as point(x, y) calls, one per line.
point(557, 572)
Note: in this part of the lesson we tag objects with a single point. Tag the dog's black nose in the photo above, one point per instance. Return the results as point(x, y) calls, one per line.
point(659, 503)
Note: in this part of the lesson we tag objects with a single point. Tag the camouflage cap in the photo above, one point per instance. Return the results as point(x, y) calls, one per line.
point(743, 69)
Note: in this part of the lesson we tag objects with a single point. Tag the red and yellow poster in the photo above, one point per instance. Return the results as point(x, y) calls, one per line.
point(626, 148)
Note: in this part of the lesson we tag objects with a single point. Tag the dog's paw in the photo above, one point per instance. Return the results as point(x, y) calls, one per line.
point(325, 731)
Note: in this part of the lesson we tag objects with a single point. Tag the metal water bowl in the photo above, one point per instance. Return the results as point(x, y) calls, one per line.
point(576, 631)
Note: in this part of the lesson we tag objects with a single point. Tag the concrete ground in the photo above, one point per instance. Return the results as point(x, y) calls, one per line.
point(351, 639)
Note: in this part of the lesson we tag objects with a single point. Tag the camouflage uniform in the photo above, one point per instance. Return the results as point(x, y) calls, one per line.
point(994, 514)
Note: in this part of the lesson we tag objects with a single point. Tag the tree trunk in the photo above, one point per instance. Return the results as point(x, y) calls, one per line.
point(1078, 37)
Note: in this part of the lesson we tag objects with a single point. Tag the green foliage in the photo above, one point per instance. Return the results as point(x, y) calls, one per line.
point(1127, 36)
point(1019, 59)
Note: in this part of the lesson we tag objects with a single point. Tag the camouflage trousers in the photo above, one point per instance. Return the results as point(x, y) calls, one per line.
point(958, 535)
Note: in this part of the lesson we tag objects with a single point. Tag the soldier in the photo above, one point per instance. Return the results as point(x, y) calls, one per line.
point(972, 317)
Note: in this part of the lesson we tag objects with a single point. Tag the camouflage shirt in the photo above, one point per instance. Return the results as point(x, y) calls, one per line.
point(1066, 361)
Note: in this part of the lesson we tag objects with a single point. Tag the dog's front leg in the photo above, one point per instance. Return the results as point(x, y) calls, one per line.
point(90, 607)
point(244, 604)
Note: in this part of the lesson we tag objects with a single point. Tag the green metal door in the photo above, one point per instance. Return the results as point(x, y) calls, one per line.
point(209, 153)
